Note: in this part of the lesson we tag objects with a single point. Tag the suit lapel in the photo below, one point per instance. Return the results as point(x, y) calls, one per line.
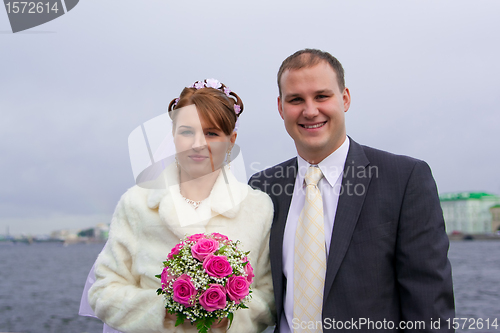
point(286, 182)
point(348, 209)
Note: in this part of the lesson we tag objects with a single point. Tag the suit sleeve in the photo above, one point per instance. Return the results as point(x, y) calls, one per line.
point(422, 266)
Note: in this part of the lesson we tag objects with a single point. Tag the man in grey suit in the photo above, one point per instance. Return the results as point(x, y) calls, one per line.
point(385, 244)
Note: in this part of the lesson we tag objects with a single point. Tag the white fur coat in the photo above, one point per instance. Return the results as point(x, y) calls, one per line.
point(148, 223)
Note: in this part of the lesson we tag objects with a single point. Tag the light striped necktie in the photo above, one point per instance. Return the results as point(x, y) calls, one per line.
point(310, 255)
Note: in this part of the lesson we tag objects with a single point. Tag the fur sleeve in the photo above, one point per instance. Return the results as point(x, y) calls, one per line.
point(261, 311)
point(116, 296)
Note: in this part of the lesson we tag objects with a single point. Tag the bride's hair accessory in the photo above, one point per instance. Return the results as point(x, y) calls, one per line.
point(219, 105)
point(215, 84)
point(211, 83)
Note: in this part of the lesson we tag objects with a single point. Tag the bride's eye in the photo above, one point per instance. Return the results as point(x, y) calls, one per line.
point(212, 134)
point(186, 133)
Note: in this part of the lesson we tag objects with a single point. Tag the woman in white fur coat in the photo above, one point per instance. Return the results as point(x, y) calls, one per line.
point(200, 196)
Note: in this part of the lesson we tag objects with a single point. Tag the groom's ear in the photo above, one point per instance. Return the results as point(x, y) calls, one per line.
point(346, 97)
point(280, 107)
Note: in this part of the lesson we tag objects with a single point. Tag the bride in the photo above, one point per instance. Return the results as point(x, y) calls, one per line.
point(200, 195)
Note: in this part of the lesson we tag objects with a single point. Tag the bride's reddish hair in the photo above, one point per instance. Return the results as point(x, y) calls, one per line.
point(213, 105)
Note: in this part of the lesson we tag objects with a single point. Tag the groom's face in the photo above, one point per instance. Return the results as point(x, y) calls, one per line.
point(312, 107)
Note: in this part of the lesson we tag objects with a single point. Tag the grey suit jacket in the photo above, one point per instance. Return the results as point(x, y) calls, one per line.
point(387, 263)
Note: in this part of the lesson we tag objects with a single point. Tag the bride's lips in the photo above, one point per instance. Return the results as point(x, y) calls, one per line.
point(313, 126)
point(198, 158)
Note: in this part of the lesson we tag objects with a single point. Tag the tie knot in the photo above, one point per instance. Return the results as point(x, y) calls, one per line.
point(313, 176)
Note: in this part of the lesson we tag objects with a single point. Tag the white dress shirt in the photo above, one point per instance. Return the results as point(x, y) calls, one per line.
point(330, 186)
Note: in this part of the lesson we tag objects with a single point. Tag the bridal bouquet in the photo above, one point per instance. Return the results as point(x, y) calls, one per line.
point(206, 278)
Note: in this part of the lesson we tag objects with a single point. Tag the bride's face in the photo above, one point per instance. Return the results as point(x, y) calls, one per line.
point(200, 147)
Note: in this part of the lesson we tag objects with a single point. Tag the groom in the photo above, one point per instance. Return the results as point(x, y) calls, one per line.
point(358, 239)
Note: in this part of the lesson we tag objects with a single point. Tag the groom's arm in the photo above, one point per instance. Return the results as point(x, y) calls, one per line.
point(263, 181)
point(422, 266)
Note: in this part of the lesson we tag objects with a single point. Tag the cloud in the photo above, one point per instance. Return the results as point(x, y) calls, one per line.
point(422, 75)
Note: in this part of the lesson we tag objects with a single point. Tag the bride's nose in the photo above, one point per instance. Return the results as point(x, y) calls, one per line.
point(199, 142)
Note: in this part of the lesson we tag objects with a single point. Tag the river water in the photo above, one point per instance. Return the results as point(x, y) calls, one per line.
point(41, 286)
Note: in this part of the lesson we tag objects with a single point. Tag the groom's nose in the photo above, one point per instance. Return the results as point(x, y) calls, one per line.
point(310, 109)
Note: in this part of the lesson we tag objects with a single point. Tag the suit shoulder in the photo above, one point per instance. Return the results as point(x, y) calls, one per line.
point(270, 172)
point(382, 157)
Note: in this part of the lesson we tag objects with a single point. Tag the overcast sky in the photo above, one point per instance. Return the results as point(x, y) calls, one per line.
point(423, 76)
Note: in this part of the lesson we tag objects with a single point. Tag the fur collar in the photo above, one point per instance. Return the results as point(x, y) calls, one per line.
point(224, 200)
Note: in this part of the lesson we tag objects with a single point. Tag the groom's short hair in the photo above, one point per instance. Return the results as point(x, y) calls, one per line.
point(308, 58)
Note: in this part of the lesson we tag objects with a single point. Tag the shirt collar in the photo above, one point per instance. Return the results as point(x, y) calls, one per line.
point(331, 167)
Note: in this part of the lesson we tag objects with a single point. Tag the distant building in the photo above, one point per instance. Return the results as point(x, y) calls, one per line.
point(101, 231)
point(87, 233)
point(63, 234)
point(468, 212)
point(495, 223)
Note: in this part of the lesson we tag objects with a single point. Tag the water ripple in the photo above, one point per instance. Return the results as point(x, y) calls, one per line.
point(42, 285)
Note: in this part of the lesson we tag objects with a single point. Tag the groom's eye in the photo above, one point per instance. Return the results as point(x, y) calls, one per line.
point(295, 100)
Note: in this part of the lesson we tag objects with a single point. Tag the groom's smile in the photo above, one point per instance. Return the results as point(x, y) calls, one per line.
point(313, 126)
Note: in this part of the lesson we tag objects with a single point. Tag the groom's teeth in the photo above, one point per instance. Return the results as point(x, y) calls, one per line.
point(314, 126)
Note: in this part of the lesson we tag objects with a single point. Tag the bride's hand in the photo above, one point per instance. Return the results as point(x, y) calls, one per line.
point(170, 316)
point(223, 323)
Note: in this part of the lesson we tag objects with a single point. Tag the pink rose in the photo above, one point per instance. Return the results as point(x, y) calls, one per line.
point(196, 237)
point(249, 272)
point(175, 250)
point(220, 236)
point(203, 248)
point(184, 290)
point(237, 288)
point(165, 277)
point(217, 266)
point(214, 298)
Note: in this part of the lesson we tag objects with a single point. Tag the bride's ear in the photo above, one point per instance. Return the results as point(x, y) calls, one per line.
point(232, 137)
